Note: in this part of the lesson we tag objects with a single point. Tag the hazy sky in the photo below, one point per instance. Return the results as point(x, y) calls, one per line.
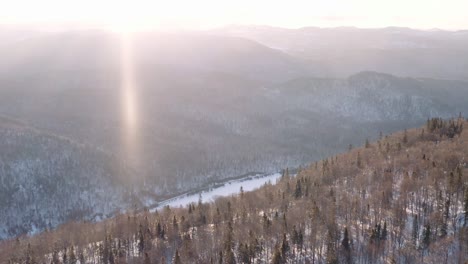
point(196, 14)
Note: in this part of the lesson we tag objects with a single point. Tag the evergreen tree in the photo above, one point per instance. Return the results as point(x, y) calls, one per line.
point(159, 230)
point(254, 245)
point(277, 258)
point(376, 233)
point(29, 255)
point(64, 256)
point(220, 257)
point(229, 257)
point(466, 207)
point(345, 241)
point(367, 145)
point(415, 229)
point(332, 258)
point(384, 234)
point(177, 258)
point(141, 239)
point(111, 257)
point(73, 259)
point(174, 223)
point(284, 246)
point(55, 258)
point(147, 259)
point(359, 160)
point(298, 191)
point(243, 253)
point(81, 256)
point(426, 236)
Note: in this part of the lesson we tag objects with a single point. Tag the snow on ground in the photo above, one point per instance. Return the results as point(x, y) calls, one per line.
point(227, 189)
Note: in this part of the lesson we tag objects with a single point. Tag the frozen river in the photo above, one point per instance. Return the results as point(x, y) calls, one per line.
point(228, 188)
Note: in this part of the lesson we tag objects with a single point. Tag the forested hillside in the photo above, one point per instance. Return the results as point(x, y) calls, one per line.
point(46, 180)
point(400, 199)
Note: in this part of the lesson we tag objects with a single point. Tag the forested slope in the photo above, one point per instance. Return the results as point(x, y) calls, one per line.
point(400, 199)
point(46, 180)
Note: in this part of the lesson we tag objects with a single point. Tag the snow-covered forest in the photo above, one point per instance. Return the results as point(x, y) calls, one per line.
point(402, 198)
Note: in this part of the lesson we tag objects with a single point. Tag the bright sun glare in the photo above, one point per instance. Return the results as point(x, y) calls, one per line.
point(127, 16)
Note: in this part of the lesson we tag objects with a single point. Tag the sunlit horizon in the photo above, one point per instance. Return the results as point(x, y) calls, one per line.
point(143, 15)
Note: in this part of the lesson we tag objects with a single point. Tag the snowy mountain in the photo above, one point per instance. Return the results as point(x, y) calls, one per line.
point(374, 97)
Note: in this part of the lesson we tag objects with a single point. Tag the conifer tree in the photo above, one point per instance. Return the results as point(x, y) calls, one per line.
point(359, 160)
point(426, 236)
point(177, 258)
point(229, 257)
point(277, 258)
point(55, 258)
point(332, 258)
point(345, 241)
point(159, 230)
point(141, 239)
point(220, 257)
point(81, 256)
point(466, 208)
point(415, 229)
point(284, 246)
point(243, 253)
point(64, 256)
point(384, 234)
point(298, 191)
point(29, 255)
point(147, 259)
point(73, 259)
point(174, 223)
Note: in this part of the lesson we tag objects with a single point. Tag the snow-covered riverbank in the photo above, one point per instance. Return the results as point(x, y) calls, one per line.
point(228, 188)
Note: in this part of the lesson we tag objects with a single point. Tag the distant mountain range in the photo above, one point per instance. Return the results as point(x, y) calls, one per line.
point(342, 51)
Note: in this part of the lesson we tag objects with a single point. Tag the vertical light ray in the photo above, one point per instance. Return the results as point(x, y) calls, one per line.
point(129, 102)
